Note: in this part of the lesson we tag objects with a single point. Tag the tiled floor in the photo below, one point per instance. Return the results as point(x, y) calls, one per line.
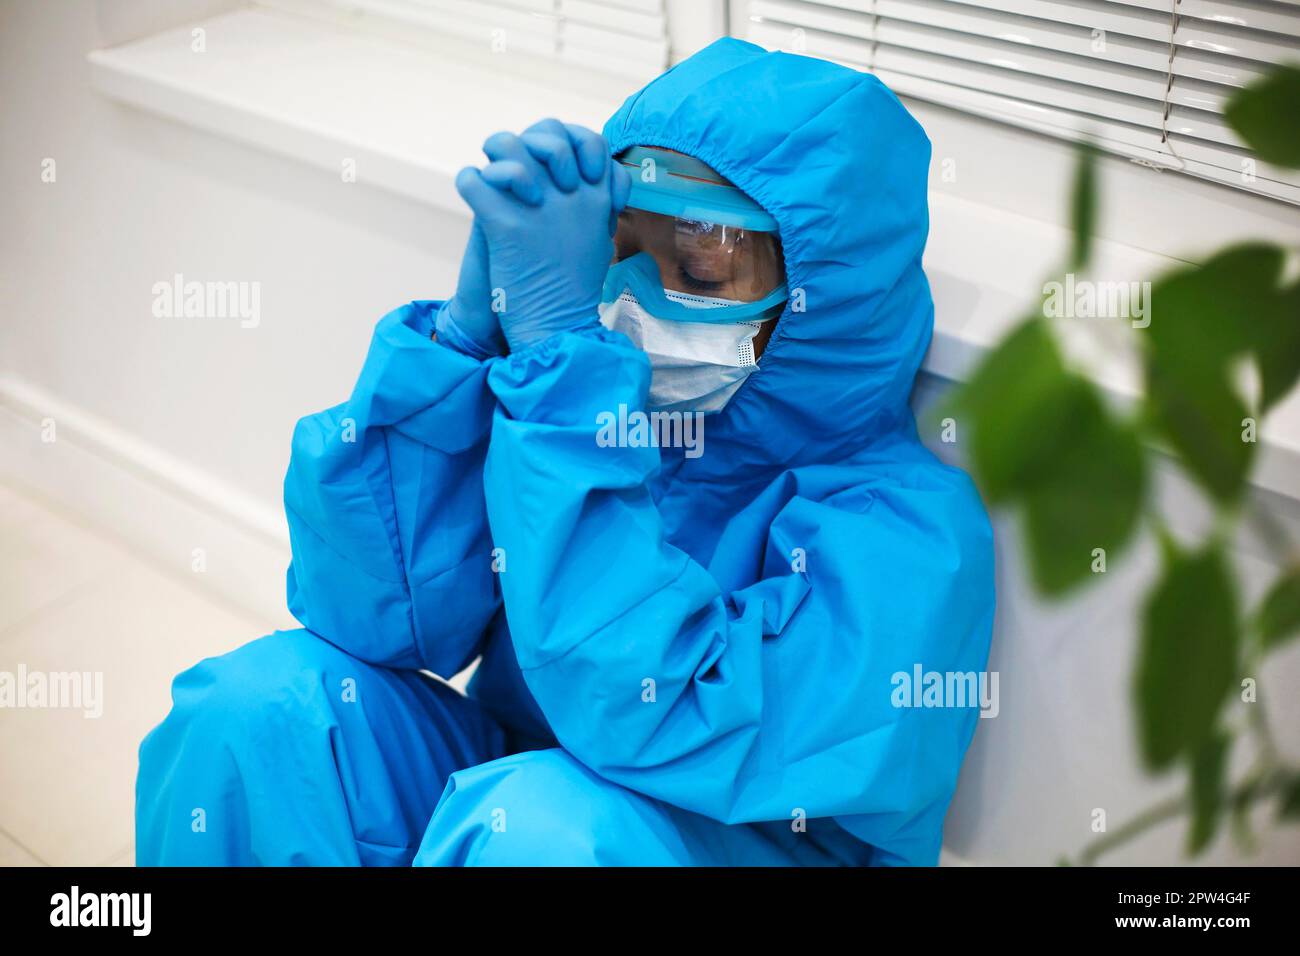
point(71, 600)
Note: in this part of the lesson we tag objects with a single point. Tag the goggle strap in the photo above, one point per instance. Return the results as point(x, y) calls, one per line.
point(683, 187)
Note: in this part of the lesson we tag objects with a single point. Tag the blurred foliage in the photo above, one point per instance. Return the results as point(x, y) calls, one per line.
point(1045, 443)
point(1083, 207)
point(1264, 115)
point(1187, 662)
point(1279, 615)
point(1207, 790)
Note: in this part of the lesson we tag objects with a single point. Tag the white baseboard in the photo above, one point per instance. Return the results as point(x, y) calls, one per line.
point(157, 505)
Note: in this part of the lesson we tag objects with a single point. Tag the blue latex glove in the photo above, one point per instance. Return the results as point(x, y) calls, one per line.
point(466, 321)
point(547, 204)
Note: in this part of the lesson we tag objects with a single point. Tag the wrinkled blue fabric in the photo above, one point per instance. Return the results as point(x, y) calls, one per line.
point(684, 659)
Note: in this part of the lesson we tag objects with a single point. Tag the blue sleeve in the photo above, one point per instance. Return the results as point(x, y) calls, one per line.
point(384, 496)
point(758, 703)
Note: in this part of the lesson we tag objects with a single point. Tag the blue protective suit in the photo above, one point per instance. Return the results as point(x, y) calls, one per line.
point(682, 657)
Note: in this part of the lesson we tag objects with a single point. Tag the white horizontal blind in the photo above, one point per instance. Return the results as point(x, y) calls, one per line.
point(627, 37)
point(1144, 78)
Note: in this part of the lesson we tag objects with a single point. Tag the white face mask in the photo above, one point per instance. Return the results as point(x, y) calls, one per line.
point(695, 366)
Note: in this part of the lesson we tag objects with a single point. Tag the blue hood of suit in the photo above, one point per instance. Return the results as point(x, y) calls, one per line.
point(842, 167)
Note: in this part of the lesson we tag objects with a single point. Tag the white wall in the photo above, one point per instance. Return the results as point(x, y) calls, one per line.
point(138, 199)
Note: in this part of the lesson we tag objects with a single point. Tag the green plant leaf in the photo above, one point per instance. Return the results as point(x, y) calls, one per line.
point(1288, 807)
point(1206, 790)
point(1083, 206)
point(1203, 319)
point(1240, 807)
point(1277, 347)
point(1278, 617)
point(1091, 497)
point(1015, 405)
point(1041, 436)
point(1203, 424)
point(1264, 115)
point(1187, 658)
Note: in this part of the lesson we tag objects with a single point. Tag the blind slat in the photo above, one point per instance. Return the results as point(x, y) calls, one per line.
point(1115, 20)
point(1070, 38)
point(1044, 63)
point(1155, 84)
point(1268, 47)
point(1254, 16)
point(1048, 61)
point(1219, 163)
point(1107, 104)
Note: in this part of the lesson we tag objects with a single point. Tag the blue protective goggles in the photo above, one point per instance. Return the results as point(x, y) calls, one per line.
point(692, 247)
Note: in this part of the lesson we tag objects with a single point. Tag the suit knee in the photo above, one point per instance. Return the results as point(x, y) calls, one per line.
point(271, 675)
point(543, 808)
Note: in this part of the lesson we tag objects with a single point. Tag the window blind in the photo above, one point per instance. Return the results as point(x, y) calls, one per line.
point(1144, 78)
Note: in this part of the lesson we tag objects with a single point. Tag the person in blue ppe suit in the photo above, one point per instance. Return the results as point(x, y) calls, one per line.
point(686, 658)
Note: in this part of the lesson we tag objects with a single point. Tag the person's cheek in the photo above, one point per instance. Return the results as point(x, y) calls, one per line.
point(711, 266)
point(667, 269)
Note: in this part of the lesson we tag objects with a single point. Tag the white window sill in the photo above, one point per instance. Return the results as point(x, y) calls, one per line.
point(410, 119)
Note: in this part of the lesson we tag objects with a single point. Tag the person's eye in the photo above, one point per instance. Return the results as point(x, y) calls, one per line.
point(693, 227)
point(698, 285)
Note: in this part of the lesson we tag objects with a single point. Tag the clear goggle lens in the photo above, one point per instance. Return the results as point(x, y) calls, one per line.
point(702, 258)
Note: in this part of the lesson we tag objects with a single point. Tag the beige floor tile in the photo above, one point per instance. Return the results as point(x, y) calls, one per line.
point(44, 559)
point(125, 858)
point(70, 792)
point(12, 853)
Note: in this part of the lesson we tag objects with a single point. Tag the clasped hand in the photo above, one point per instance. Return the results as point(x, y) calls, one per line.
point(545, 209)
